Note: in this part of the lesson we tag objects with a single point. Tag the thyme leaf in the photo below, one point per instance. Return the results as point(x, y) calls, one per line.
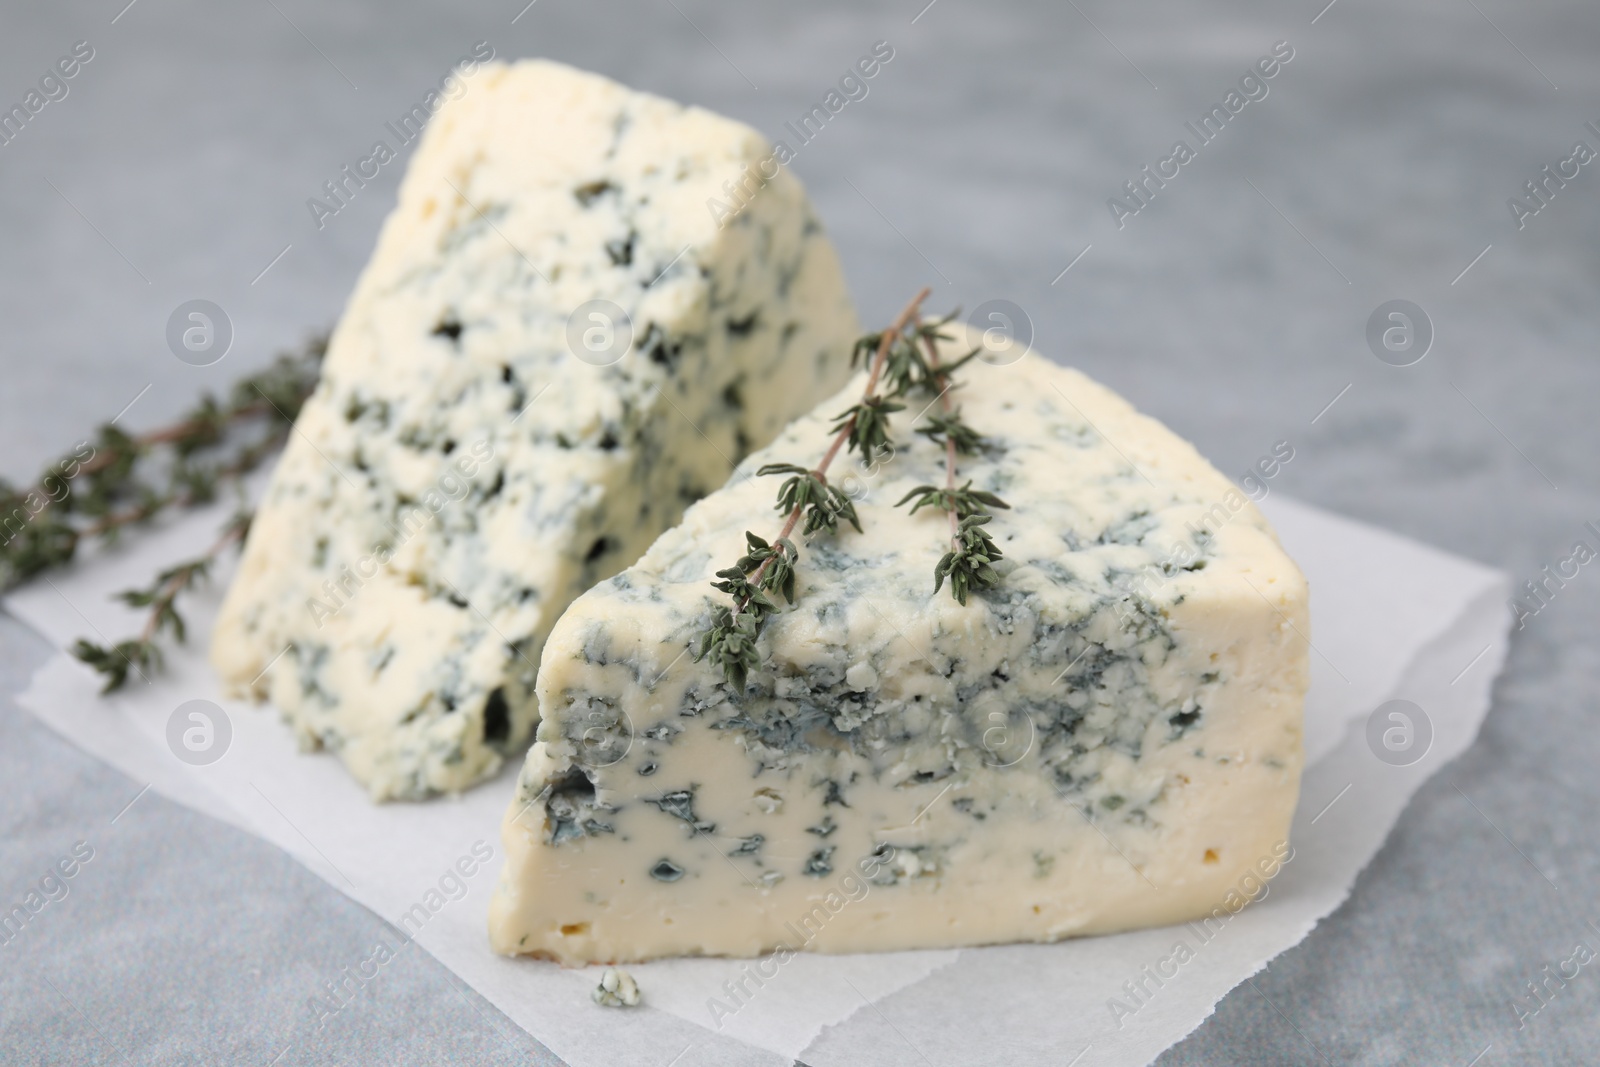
point(967, 564)
point(865, 426)
point(947, 425)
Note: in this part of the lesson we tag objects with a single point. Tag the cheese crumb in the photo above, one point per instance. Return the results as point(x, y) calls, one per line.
point(617, 989)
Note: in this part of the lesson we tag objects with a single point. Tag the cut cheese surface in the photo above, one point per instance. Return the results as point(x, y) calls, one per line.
point(1109, 739)
point(487, 441)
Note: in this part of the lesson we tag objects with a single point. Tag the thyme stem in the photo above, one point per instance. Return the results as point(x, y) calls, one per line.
point(166, 435)
point(182, 576)
point(942, 380)
point(248, 459)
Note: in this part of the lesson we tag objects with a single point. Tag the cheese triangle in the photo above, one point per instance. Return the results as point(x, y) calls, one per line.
point(1111, 738)
point(569, 331)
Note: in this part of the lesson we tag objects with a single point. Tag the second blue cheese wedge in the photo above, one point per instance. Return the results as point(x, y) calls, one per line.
point(557, 346)
point(1110, 738)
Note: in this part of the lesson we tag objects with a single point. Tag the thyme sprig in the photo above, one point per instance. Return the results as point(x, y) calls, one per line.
point(824, 504)
point(729, 642)
point(142, 654)
point(941, 426)
point(959, 502)
point(866, 425)
point(970, 562)
point(904, 361)
point(117, 480)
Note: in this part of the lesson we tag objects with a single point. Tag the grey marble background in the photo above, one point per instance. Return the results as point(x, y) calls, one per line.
point(1233, 307)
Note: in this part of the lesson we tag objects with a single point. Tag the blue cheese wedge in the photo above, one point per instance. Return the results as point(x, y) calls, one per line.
point(1109, 739)
point(555, 349)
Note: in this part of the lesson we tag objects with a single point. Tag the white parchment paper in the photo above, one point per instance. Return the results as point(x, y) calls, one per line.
point(1390, 619)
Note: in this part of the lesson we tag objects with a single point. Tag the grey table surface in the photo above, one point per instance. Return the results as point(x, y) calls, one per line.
point(1233, 305)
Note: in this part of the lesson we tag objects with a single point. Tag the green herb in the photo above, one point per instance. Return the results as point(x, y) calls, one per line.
point(142, 654)
point(969, 563)
point(865, 426)
point(942, 426)
point(905, 367)
point(730, 641)
point(959, 502)
point(119, 480)
point(904, 360)
point(824, 504)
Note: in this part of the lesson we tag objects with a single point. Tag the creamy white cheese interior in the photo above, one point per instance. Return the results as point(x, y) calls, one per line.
point(1109, 739)
point(485, 444)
